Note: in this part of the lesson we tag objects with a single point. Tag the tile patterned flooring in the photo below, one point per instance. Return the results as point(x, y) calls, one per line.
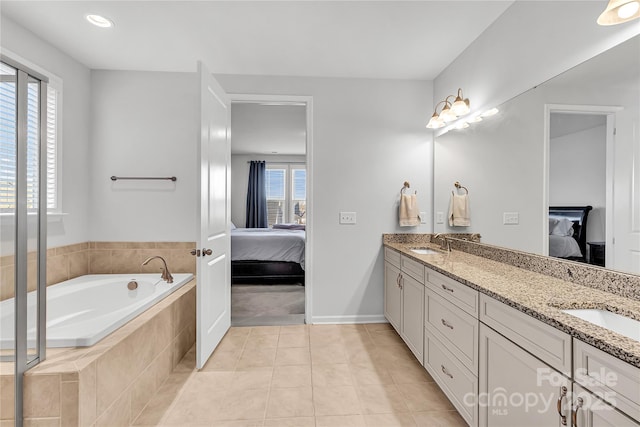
point(303, 375)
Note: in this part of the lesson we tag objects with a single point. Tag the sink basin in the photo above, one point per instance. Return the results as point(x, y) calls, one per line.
point(614, 322)
point(424, 251)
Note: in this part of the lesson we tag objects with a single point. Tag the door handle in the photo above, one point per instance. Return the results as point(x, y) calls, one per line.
point(206, 251)
point(195, 252)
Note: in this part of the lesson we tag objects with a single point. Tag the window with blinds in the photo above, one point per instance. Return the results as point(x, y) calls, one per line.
point(286, 188)
point(8, 138)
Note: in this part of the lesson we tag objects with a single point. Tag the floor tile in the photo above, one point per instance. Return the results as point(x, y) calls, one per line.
point(291, 376)
point(331, 375)
point(243, 404)
point(264, 330)
point(409, 374)
point(439, 419)
point(255, 358)
point(340, 421)
point(380, 399)
point(336, 401)
point(290, 402)
point(389, 337)
point(232, 342)
point(261, 341)
point(424, 397)
point(292, 356)
point(161, 402)
point(328, 354)
point(372, 327)
point(252, 378)
point(290, 422)
point(237, 423)
point(222, 360)
point(293, 340)
point(367, 373)
point(294, 329)
point(390, 420)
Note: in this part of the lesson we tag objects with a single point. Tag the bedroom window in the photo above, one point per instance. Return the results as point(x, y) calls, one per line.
point(286, 193)
point(8, 142)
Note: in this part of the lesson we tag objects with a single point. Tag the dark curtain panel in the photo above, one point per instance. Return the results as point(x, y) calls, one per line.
point(257, 196)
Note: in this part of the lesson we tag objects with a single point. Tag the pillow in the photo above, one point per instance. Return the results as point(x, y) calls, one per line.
point(564, 227)
point(552, 224)
point(233, 226)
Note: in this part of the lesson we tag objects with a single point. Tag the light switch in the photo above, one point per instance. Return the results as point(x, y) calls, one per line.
point(347, 217)
point(423, 217)
point(511, 218)
point(439, 217)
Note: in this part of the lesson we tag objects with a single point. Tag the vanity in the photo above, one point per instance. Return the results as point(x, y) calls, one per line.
point(503, 340)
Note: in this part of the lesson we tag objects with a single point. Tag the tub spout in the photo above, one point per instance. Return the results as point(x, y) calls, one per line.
point(166, 276)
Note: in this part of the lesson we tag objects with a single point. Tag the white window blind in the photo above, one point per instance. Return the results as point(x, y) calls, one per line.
point(286, 188)
point(8, 138)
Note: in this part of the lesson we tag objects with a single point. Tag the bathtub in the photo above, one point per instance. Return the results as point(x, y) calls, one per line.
point(82, 311)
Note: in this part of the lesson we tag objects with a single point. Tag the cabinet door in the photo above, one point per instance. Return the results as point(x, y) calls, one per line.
point(515, 388)
point(412, 315)
point(590, 411)
point(392, 295)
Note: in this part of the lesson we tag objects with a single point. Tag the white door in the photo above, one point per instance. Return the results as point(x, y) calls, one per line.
point(214, 265)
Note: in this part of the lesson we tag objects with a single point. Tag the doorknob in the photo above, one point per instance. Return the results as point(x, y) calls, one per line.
point(206, 251)
point(195, 252)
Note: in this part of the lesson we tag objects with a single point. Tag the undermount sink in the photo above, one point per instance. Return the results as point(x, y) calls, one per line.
point(614, 322)
point(424, 251)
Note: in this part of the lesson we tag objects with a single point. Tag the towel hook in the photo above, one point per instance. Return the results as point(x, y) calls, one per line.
point(405, 186)
point(459, 186)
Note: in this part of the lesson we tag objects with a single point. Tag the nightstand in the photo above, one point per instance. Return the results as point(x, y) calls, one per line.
point(596, 253)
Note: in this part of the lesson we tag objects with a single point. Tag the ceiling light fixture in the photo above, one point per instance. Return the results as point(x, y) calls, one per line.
point(99, 21)
point(450, 111)
point(619, 11)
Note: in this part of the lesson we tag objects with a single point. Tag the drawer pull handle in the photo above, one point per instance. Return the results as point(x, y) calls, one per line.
point(563, 393)
point(401, 280)
point(447, 324)
point(446, 288)
point(444, 371)
point(574, 412)
point(398, 280)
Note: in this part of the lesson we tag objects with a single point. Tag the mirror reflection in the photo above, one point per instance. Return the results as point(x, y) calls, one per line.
point(557, 170)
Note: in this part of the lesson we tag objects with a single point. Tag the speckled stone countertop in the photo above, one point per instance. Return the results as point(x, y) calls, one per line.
point(538, 295)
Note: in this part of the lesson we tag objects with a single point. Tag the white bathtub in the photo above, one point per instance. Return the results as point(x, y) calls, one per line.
point(82, 311)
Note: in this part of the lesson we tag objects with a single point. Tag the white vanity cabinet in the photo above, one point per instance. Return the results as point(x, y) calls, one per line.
point(451, 341)
point(590, 411)
point(404, 298)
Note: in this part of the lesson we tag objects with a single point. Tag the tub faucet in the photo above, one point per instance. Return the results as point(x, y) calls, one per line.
point(166, 276)
point(445, 243)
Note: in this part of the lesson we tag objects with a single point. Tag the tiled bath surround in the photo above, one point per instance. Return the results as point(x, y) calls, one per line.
point(110, 383)
point(67, 262)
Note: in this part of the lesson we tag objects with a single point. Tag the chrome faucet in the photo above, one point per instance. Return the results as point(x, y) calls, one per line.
point(166, 276)
point(445, 243)
point(475, 237)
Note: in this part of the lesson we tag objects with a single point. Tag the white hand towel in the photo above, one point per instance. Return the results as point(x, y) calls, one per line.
point(409, 213)
point(459, 215)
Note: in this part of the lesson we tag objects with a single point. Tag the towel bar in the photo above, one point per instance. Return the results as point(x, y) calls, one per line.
point(168, 178)
point(458, 186)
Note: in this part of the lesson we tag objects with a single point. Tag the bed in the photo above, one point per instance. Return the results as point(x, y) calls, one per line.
point(568, 232)
point(267, 255)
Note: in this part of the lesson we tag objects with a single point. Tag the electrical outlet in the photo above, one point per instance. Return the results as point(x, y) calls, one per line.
point(347, 217)
point(439, 217)
point(423, 217)
point(511, 218)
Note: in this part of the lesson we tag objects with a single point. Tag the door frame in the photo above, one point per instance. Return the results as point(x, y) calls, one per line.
point(307, 101)
point(610, 113)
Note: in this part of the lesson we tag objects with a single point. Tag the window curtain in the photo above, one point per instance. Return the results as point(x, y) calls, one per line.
point(257, 196)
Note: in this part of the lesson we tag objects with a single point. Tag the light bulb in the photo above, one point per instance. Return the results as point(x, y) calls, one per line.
point(447, 115)
point(435, 122)
point(628, 10)
point(460, 107)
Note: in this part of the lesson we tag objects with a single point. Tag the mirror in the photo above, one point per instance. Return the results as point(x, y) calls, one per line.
point(538, 151)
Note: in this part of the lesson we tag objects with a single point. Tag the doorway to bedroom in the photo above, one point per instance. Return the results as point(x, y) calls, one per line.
point(269, 210)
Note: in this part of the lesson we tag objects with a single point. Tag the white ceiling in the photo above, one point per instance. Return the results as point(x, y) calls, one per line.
point(359, 39)
point(268, 129)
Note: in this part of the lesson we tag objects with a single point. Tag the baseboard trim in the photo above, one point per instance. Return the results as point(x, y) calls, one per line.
point(361, 318)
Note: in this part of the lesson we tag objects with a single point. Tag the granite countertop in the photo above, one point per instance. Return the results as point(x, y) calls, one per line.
point(538, 295)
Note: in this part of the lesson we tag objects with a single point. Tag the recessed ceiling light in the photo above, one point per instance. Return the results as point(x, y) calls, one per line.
point(99, 21)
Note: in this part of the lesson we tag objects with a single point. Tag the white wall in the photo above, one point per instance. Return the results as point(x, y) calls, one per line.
point(531, 42)
point(577, 175)
point(144, 124)
point(368, 138)
point(240, 180)
point(74, 146)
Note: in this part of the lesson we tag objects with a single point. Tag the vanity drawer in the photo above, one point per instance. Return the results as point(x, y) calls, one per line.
point(545, 342)
point(454, 292)
point(392, 257)
point(453, 378)
point(457, 329)
point(610, 378)
point(412, 268)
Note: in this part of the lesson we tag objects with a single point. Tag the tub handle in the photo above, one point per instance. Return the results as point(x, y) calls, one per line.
point(195, 252)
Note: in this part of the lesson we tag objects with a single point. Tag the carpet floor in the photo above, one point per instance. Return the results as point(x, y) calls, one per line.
point(255, 305)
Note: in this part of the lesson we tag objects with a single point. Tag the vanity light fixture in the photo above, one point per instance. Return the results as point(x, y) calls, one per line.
point(462, 125)
point(619, 11)
point(99, 20)
point(489, 113)
point(450, 111)
point(475, 119)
